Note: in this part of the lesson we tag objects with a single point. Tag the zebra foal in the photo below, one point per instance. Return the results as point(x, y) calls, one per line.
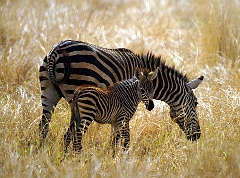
point(115, 105)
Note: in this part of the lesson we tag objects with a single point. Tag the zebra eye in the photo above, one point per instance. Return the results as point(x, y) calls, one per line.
point(196, 103)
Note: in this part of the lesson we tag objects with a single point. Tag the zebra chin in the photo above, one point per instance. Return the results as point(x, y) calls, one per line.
point(150, 105)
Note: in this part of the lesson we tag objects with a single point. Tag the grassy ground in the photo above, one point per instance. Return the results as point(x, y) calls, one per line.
point(198, 37)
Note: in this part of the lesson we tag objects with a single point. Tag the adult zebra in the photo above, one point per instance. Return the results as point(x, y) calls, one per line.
point(115, 105)
point(73, 63)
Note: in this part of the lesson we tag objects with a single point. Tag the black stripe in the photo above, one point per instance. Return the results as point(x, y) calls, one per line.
point(65, 43)
point(67, 67)
point(46, 111)
point(73, 48)
point(158, 85)
point(45, 105)
point(69, 91)
point(42, 96)
point(166, 85)
point(60, 70)
point(89, 111)
point(91, 60)
point(45, 59)
point(114, 60)
point(61, 60)
point(92, 116)
point(86, 72)
point(41, 69)
point(41, 78)
point(79, 82)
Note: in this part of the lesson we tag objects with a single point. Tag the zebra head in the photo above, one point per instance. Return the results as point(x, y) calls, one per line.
point(184, 110)
point(145, 86)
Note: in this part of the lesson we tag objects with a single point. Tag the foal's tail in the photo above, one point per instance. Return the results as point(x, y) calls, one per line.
point(75, 113)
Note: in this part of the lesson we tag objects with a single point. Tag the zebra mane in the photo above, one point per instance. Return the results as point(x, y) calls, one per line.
point(151, 62)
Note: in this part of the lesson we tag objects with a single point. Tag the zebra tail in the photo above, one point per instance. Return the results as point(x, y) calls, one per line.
point(67, 68)
point(75, 114)
point(51, 68)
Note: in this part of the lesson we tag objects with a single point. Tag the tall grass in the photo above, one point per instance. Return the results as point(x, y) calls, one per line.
point(220, 32)
point(198, 37)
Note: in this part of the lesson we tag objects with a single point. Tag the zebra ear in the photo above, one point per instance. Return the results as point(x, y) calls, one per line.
point(194, 83)
point(153, 75)
point(137, 73)
point(145, 73)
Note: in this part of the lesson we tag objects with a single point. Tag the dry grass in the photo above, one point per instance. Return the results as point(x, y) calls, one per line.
point(199, 38)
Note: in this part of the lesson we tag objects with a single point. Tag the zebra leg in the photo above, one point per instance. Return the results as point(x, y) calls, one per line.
point(74, 123)
point(50, 97)
point(115, 137)
point(80, 131)
point(125, 136)
point(68, 136)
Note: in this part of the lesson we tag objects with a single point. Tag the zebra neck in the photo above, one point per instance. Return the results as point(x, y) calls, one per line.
point(170, 83)
point(170, 86)
point(128, 91)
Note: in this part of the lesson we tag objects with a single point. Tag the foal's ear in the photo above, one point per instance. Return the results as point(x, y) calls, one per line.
point(137, 73)
point(153, 75)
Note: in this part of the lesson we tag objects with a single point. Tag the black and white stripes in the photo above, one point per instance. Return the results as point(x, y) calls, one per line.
point(115, 105)
point(72, 63)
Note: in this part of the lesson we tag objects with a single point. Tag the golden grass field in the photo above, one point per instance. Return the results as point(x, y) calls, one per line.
point(198, 37)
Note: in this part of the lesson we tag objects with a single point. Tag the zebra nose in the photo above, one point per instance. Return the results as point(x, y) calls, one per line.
point(151, 105)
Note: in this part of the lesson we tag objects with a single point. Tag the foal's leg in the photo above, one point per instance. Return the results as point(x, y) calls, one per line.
point(115, 137)
point(80, 131)
point(69, 136)
point(125, 136)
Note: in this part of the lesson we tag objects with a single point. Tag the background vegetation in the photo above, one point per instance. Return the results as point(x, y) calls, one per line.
point(199, 37)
